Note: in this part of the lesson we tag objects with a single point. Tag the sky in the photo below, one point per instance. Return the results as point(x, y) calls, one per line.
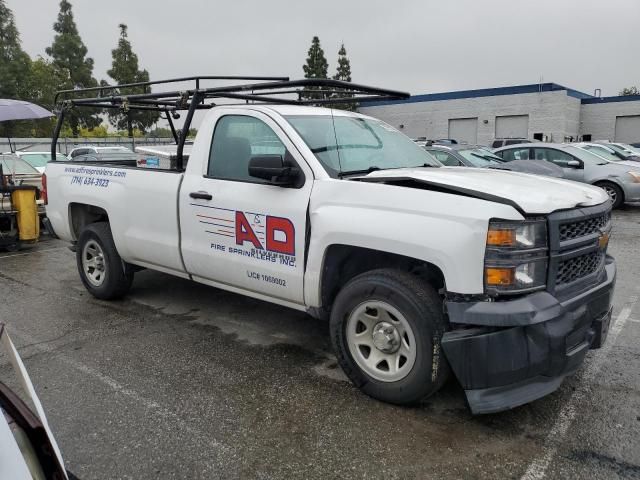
point(419, 46)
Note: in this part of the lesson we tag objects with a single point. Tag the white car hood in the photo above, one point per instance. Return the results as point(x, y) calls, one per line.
point(533, 194)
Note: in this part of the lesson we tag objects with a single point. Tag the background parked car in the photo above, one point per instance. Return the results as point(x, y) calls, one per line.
point(115, 155)
point(29, 450)
point(622, 149)
point(609, 154)
point(37, 160)
point(463, 155)
point(620, 181)
point(18, 172)
point(482, 157)
point(503, 142)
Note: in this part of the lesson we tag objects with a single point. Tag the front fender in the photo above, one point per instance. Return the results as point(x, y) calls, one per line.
point(448, 231)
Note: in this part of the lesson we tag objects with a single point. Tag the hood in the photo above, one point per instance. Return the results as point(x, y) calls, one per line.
point(634, 164)
point(531, 194)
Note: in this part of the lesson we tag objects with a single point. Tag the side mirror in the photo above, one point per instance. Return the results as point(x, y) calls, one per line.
point(274, 169)
point(574, 164)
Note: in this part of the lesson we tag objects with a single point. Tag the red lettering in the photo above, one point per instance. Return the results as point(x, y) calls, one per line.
point(282, 225)
point(244, 232)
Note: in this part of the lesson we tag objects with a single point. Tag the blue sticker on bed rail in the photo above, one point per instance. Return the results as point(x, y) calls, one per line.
point(152, 162)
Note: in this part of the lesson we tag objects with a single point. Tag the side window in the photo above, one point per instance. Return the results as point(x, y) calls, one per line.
point(515, 154)
point(445, 158)
point(552, 155)
point(236, 139)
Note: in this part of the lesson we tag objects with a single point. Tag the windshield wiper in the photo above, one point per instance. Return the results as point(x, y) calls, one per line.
point(373, 168)
point(487, 158)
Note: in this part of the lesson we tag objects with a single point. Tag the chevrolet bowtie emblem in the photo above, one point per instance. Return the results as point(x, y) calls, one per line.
point(603, 241)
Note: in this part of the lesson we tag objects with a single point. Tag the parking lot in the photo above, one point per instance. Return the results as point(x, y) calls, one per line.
point(180, 380)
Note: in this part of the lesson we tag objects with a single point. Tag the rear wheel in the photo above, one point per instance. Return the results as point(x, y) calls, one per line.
point(101, 269)
point(614, 191)
point(386, 328)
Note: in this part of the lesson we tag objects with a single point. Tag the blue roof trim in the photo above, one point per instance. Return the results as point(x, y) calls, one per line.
point(577, 94)
point(483, 92)
point(622, 98)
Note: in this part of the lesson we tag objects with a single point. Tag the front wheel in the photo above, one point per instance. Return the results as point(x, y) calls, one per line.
point(616, 195)
point(386, 328)
point(101, 269)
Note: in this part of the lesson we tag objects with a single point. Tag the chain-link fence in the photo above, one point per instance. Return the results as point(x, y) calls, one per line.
point(65, 145)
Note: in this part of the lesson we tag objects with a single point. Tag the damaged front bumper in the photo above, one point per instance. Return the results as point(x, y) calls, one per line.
point(509, 353)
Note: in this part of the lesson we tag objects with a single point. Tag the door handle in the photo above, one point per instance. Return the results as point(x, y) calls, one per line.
point(201, 195)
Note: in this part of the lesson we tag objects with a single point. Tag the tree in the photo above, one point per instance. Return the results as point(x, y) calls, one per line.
point(124, 69)
point(630, 91)
point(14, 64)
point(69, 55)
point(41, 85)
point(343, 73)
point(316, 67)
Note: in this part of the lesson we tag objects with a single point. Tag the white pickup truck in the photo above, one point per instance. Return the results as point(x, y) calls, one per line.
point(499, 278)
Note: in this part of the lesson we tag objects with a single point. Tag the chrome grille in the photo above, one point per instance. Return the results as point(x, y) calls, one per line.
point(569, 231)
point(578, 267)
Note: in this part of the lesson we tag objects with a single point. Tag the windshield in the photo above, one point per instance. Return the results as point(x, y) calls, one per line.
point(479, 157)
point(13, 165)
point(625, 149)
point(358, 145)
point(36, 159)
point(585, 155)
point(602, 152)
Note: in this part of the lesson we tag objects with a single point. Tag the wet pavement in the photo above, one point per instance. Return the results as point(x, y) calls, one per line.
point(181, 380)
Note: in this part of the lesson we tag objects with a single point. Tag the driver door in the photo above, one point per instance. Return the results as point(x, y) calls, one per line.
point(239, 230)
point(561, 159)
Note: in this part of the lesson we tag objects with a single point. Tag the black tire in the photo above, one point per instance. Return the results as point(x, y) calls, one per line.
point(616, 190)
point(421, 306)
point(118, 276)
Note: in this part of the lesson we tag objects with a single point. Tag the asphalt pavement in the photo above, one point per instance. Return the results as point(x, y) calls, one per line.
point(180, 380)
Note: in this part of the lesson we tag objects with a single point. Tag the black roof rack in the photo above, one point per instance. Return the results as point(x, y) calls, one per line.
point(267, 90)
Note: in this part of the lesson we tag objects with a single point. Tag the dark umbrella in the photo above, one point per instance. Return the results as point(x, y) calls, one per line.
point(21, 110)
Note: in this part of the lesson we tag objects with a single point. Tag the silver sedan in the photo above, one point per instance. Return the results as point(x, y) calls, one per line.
point(620, 181)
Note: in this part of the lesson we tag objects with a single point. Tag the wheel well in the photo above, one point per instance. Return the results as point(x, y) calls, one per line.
point(81, 215)
point(343, 262)
point(610, 182)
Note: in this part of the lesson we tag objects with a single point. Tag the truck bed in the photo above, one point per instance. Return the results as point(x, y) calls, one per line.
point(143, 214)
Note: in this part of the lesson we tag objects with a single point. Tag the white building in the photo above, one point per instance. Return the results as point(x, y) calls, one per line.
point(545, 111)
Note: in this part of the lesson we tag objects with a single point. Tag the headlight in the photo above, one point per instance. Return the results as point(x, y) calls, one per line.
point(635, 176)
point(527, 234)
point(516, 257)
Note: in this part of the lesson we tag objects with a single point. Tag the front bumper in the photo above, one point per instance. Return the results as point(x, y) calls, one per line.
point(516, 351)
point(631, 191)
